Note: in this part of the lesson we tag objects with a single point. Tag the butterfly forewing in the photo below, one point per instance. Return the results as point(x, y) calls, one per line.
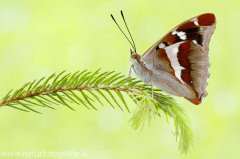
point(197, 28)
point(183, 53)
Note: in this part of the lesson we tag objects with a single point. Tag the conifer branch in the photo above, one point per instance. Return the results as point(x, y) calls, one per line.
point(62, 89)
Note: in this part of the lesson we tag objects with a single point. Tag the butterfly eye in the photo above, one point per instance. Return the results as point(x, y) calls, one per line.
point(133, 55)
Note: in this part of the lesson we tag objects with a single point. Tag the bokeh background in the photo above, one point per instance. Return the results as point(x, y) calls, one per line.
point(38, 38)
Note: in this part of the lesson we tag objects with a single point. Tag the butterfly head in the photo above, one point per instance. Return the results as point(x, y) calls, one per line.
point(132, 56)
point(138, 68)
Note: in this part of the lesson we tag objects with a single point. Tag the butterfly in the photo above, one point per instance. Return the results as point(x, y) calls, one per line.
point(178, 63)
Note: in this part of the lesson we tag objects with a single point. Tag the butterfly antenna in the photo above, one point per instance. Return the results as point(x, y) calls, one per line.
point(121, 30)
point(128, 31)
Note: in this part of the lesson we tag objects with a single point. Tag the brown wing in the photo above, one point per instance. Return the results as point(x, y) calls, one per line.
point(183, 53)
point(199, 28)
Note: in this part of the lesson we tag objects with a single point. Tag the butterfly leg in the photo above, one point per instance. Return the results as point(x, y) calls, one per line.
point(128, 75)
point(152, 88)
point(150, 73)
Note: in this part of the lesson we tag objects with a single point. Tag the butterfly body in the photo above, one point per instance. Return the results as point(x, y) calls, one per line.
point(178, 63)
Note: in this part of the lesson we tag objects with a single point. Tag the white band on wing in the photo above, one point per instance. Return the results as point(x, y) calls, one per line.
point(172, 52)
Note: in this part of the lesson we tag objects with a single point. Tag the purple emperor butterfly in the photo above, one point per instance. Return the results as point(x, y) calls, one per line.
point(178, 63)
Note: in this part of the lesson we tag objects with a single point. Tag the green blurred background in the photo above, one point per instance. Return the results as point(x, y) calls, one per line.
point(40, 37)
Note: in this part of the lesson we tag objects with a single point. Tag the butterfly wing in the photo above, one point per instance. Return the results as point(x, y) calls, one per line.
point(179, 61)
